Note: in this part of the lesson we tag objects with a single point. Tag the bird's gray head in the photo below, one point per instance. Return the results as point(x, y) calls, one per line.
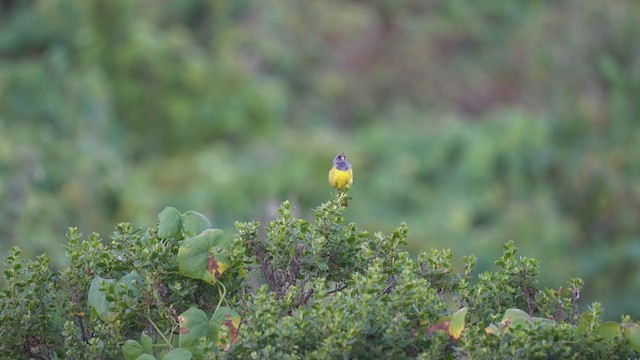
point(341, 163)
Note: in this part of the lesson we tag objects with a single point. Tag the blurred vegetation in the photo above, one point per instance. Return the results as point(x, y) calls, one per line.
point(474, 122)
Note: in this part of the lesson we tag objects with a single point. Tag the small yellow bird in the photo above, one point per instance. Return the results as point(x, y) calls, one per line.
point(341, 174)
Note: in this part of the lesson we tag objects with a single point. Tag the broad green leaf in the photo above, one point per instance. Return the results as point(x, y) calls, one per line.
point(133, 281)
point(457, 323)
point(179, 354)
point(543, 321)
point(228, 321)
point(584, 323)
point(146, 342)
point(631, 332)
point(146, 357)
point(609, 330)
point(97, 300)
point(193, 223)
point(202, 257)
point(169, 222)
point(131, 350)
point(194, 324)
point(513, 317)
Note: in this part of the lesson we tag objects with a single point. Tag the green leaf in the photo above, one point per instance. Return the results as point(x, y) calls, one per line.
point(97, 300)
point(228, 320)
point(631, 332)
point(193, 223)
point(609, 330)
point(169, 222)
point(457, 323)
point(543, 321)
point(586, 319)
point(194, 324)
point(131, 350)
point(133, 281)
point(202, 257)
point(513, 317)
point(179, 354)
point(146, 342)
point(146, 357)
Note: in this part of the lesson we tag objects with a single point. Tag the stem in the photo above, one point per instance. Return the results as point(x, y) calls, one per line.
point(173, 329)
point(222, 296)
point(160, 332)
point(85, 336)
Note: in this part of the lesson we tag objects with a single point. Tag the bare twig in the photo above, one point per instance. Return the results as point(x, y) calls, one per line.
point(389, 286)
point(530, 294)
point(83, 329)
point(337, 289)
point(559, 310)
point(305, 298)
point(303, 284)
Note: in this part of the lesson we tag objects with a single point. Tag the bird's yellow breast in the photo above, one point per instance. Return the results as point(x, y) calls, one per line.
point(340, 179)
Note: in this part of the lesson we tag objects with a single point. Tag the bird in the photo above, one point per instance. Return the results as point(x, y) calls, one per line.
point(341, 174)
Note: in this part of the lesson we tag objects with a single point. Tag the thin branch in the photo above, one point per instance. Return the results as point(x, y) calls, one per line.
point(337, 289)
point(305, 298)
point(304, 283)
point(389, 286)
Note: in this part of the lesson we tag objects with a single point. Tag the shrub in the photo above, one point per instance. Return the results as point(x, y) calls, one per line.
point(182, 290)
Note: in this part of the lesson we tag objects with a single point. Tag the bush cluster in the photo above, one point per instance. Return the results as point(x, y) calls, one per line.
point(297, 288)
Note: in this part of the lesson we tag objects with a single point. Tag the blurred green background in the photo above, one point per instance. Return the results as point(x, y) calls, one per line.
point(477, 122)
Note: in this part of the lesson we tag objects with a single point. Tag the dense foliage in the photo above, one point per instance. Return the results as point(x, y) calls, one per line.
point(475, 122)
point(181, 290)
